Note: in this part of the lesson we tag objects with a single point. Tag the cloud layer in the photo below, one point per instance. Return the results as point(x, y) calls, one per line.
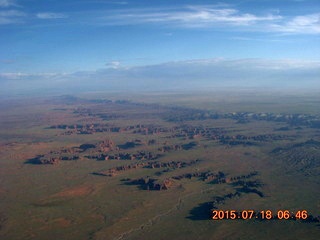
point(301, 24)
point(191, 16)
point(203, 16)
point(50, 15)
point(11, 16)
point(193, 74)
point(12, 13)
point(7, 3)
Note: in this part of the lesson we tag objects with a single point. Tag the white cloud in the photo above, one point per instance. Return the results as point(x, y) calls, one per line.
point(50, 15)
point(113, 64)
point(7, 3)
point(190, 16)
point(191, 74)
point(11, 16)
point(300, 24)
point(16, 16)
point(12, 75)
point(11, 13)
point(121, 3)
point(29, 76)
point(108, 2)
point(207, 15)
point(216, 17)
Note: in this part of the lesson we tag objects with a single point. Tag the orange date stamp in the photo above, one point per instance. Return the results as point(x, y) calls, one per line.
point(261, 215)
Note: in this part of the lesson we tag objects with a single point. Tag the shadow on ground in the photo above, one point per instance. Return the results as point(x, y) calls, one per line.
point(201, 212)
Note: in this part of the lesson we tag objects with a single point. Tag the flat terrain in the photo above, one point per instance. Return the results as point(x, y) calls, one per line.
point(156, 166)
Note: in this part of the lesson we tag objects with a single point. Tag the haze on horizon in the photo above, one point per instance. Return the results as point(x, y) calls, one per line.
point(77, 46)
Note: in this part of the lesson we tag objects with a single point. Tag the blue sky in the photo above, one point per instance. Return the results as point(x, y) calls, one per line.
point(114, 40)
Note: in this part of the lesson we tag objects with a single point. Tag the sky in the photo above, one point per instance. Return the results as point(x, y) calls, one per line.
point(125, 44)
